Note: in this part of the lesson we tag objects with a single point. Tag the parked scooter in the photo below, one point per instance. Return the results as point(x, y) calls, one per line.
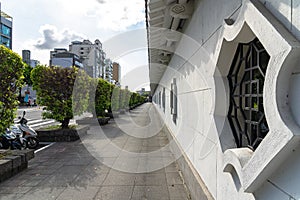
point(19, 136)
point(9, 140)
point(28, 135)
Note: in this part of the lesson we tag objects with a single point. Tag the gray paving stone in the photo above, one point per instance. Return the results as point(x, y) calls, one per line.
point(12, 182)
point(69, 171)
point(116, 178)
point(128, 164)
point(86, 179)
point(59, 180)
point(151, 179)
point(11, 196)
point(46, 171)
point(31, 180)
point(173, 167)
point(11, 190)
point(45, 193)
point(96, 169)
point(178, 192)
point(115, 193)
point(173, 178)
point(78, 193)
point(150, 193)
point(79, 161)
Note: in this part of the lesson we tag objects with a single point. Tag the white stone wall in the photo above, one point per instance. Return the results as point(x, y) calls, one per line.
point(202, 129)
point(287, 12)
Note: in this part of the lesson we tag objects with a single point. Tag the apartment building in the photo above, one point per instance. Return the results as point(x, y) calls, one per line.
point(116, 73)
point(6, 23)
point(91, 55)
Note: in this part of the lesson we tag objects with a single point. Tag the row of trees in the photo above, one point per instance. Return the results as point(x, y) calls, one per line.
point(64, 92)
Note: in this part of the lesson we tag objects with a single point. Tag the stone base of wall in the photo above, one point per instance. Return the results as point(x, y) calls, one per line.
point(196, 186)
point(62, 135)
point(13, 162)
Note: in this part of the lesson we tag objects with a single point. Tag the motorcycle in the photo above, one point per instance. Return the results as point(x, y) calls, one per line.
point(27, 135)
point(9, 140)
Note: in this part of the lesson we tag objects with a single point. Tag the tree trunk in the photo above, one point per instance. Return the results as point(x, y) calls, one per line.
point(65, 123)
point(20, 95)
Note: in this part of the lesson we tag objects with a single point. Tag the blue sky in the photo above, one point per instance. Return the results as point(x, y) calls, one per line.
point(41, 25)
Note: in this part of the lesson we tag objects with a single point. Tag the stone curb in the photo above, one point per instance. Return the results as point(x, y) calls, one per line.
point(14, 162)
point(62, 135)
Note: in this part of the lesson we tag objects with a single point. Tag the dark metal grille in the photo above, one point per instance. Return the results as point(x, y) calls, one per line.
point(246, 81)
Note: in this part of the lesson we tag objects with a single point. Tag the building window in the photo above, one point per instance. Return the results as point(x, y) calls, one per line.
point(5, 41)
point(159, 99)
point(164, 99)
point(173, 100)
point(5, 30)
point(246, 81)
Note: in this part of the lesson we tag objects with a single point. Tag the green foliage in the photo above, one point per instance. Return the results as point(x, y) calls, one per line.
point(133, 99)
point(27, 72)
point(115, 99)
point(11, 75)
point(81, 92)
point(124, 98)
point(54, 86)
point(102, 97)
point(136, 99)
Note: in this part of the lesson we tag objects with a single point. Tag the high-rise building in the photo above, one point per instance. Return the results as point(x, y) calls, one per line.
point(116, 74)
point(5, 29)
point(34, 63)
point(65, 59)
point(26, 56)
point(56, 51)
point(91, 55)
point(108, 70)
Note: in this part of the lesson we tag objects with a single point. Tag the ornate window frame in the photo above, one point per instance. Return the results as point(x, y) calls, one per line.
point(252, 168)
point(246, 78)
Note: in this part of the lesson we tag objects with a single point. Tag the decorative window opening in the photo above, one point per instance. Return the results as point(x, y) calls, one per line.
point(164, 99)
point(173, 100)
point(246, 81)
point(159, 99)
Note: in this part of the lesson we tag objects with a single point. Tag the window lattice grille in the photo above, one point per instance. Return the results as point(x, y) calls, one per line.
point(246, 81)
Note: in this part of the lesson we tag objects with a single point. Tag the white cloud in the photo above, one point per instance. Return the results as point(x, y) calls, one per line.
point(70, 19)
point(118, 15)
point(52, 37)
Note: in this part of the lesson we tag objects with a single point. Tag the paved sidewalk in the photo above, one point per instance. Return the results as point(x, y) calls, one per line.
point(122, 161)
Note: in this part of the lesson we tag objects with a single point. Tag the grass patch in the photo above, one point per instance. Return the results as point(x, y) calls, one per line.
point(101, 117)
point(3, 154)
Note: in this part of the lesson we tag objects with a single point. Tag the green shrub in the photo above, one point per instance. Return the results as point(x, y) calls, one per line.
point(11, 75)
point(102, 97)
point(115, 99)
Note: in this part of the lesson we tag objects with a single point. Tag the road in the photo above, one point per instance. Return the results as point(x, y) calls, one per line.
point(35, 120)
point(34, 117)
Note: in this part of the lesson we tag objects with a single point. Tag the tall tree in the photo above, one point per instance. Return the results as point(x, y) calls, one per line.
point(63, 92)
point(27, 72)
